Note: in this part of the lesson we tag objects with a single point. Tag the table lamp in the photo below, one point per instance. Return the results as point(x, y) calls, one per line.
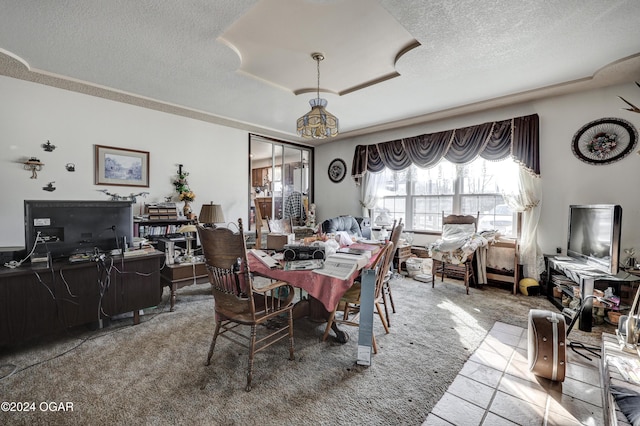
point(188, 229)
point(210, 214)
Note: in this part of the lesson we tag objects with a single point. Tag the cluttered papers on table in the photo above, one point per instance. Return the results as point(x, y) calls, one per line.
point(355, 251)
point(269, 261)
point(303, 265)
point(340, 266)
point(360, 260)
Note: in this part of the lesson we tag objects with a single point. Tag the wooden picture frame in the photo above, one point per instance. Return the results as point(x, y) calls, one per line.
point(121, 167)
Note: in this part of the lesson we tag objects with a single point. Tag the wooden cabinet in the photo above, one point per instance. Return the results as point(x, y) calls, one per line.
point(264, 204)
point(260, 176)
point(256, 177)
point(38, 301)
point(178, 275)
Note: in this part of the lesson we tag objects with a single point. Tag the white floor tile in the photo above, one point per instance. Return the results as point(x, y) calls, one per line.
point(501, 363)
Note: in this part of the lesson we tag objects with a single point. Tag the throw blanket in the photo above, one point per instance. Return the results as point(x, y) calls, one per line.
point(458, 242)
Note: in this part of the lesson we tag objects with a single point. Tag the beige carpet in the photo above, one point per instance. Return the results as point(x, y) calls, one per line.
point(154, 372)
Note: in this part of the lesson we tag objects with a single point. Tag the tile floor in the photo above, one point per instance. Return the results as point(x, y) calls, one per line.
point(496, 388)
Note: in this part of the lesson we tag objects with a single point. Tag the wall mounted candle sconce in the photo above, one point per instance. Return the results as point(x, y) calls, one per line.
point(70, 167)
point(49, 187)
point(34, 165)
point(48, 146)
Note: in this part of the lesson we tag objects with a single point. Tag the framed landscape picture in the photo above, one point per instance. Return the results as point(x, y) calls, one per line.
point(120, 166)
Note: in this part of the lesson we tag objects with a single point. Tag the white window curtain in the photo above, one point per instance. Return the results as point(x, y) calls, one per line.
point(369, 191)
point(525, 196)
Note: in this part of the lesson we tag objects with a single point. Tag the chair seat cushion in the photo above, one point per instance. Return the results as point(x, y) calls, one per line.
point(353, 294)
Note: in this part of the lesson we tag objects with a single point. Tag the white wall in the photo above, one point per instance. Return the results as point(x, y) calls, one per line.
point(565, 179)
point(217, 156)
point(30, 114)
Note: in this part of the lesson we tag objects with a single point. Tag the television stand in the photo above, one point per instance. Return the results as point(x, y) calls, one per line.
point(587, 279)
point(36, 302)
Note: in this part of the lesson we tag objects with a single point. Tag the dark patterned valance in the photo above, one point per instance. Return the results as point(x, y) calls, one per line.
point(517, 137)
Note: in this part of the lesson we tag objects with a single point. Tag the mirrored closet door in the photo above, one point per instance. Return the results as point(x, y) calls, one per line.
point(280, 179)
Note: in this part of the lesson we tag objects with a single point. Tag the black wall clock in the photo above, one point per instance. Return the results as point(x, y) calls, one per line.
point(604, 141)
point(337, 170)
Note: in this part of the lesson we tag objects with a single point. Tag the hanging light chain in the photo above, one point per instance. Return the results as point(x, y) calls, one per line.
point(318, 57)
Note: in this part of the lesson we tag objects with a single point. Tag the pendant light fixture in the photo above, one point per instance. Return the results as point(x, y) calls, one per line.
point(318, 123)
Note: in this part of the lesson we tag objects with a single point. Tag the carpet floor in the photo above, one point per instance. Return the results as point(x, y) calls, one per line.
point(154, 372)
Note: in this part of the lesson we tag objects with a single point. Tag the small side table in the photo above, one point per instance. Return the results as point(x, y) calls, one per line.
point(181, 275)
point(401, 255)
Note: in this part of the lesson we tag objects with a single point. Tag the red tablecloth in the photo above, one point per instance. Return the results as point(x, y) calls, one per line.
point(326, 289)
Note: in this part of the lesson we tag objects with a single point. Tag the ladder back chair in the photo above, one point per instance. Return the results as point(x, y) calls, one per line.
point(261, 223)
point(237, 301)
point(466, 268)
point(387, 297)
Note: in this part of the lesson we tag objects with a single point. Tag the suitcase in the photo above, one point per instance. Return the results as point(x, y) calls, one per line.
point(546, 346)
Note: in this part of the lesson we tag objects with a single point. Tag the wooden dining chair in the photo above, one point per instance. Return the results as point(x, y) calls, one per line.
point(350, 301)
point(261, 224)
point(387, 296)
point(237, 301)
point(466, 268)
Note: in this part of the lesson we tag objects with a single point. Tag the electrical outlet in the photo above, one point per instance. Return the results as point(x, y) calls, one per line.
point(558, 250)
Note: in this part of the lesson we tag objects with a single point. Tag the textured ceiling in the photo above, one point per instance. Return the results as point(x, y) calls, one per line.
point(467, 55)
point(366, 55)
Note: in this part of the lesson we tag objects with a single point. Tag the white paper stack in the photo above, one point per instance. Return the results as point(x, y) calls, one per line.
point(339, 266)
point(360, 260)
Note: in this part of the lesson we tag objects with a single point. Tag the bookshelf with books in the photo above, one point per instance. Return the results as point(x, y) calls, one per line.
point(156, 228)
point(159, 221)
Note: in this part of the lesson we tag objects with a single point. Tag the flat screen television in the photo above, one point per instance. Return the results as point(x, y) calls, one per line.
point(594, 235)
point(72, 227)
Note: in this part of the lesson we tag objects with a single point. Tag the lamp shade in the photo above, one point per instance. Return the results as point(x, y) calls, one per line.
point(211, 213)
point(187, 228)
point(317, 123)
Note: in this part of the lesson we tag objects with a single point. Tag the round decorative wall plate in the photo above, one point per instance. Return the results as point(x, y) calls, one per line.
point(604, 141)
point(337, 170)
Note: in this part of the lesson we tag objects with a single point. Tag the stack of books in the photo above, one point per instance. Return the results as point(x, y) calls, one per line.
point(164, 211)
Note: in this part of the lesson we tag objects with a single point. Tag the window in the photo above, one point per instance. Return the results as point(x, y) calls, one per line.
point(419, 196)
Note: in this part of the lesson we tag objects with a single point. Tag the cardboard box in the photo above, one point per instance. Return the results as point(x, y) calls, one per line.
point(278, 241)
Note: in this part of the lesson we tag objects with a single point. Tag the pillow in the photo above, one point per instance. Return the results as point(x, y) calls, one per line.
point(629, 402)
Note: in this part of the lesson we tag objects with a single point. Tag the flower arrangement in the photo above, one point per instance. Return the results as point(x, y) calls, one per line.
point(602, 144)
point(182, 186)
point(187, 196)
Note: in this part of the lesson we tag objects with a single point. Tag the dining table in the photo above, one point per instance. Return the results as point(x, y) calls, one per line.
point(324, 291)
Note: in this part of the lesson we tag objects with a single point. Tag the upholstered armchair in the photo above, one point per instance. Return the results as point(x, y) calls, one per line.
point(348, 224)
